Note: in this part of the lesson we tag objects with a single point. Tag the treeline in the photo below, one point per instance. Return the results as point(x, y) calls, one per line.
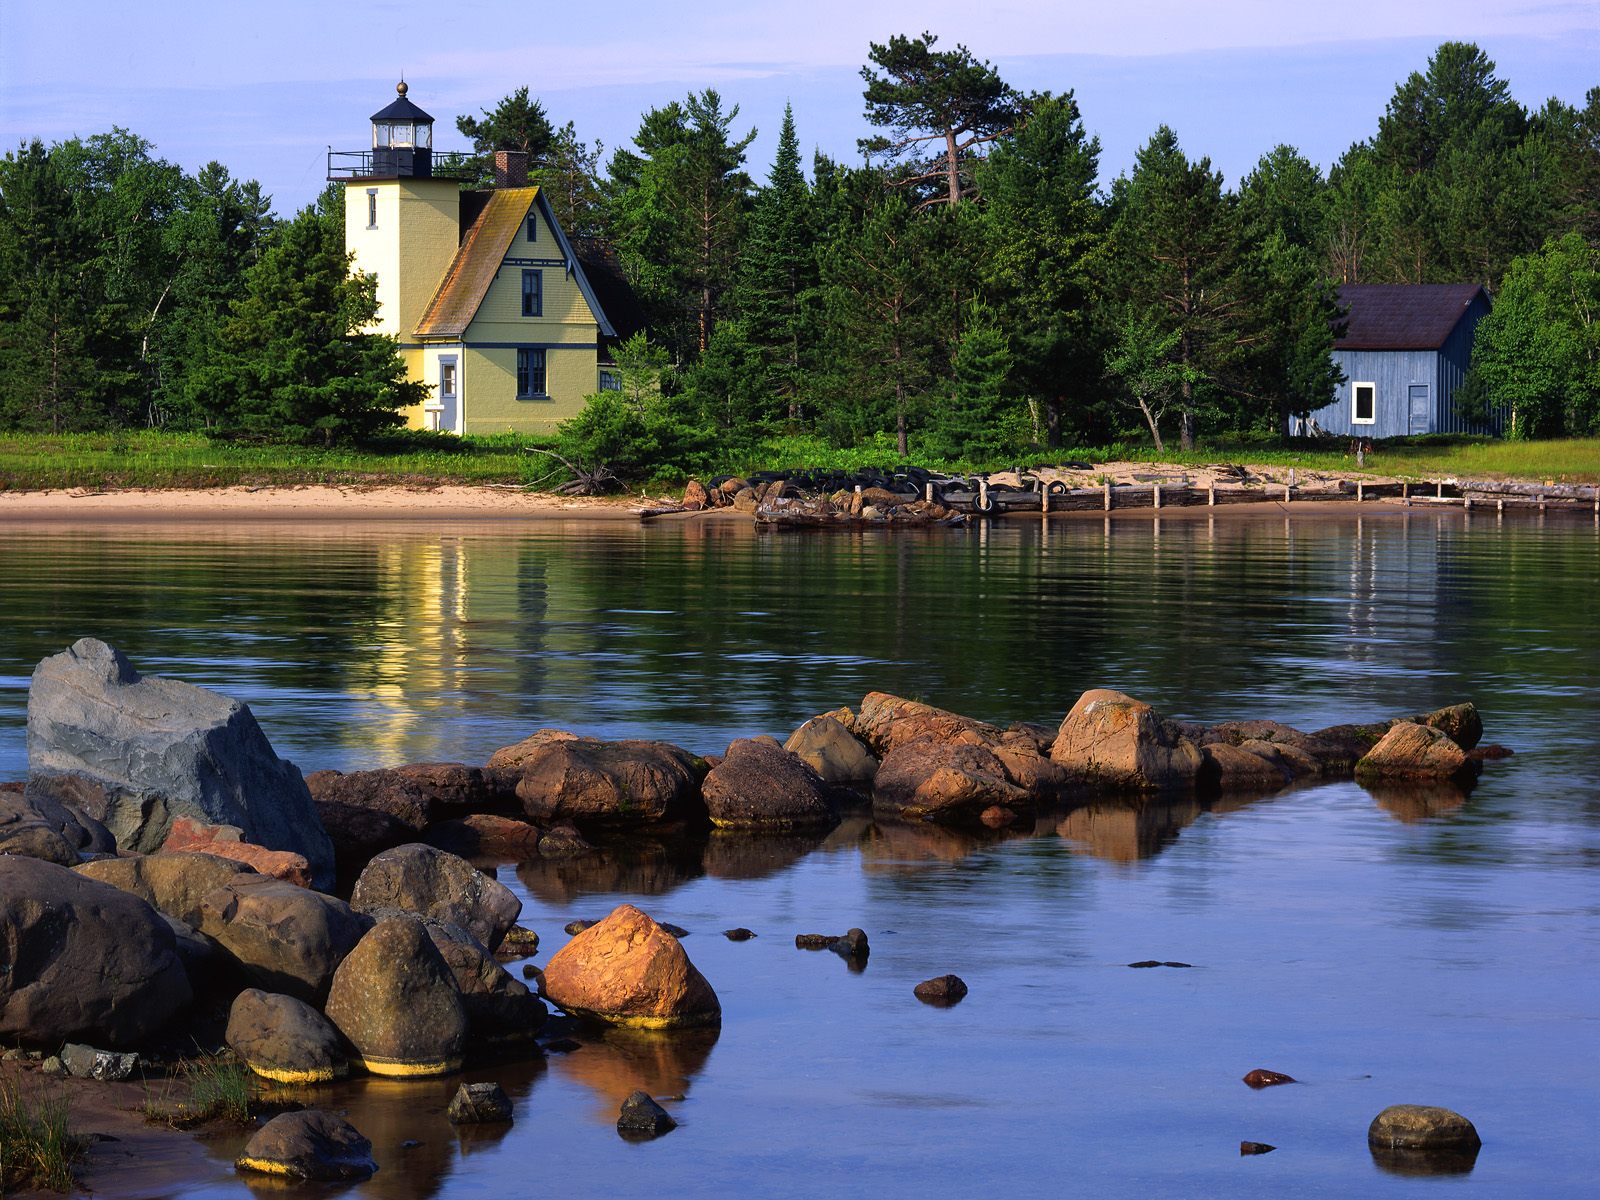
point(968, 292)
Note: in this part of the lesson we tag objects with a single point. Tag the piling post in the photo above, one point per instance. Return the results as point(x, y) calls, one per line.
point(1361, 489)
point(1108, 495)
point(1405, 494)
point(928, 493)
point(1211, 494)
point(1155, 495)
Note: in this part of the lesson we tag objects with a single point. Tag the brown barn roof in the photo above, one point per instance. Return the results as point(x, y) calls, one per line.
point(1403, 316)
point(482, 250)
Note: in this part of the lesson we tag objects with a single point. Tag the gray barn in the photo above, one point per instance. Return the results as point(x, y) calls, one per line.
point(1404, 354)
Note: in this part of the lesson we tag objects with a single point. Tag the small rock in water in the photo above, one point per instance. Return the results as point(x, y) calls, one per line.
point(1422, 1127)
point(308, 1145)
point(563, 841)
point(518, 943)
point(562, 1046)
point(1262, 1078)
point(1489, 752)
point(997, 816)
point(642, 1117)
point(677, 931)
point(529, 971)
point(1155, 962)
point(814, 941)
point(1248, 1148)
point(738, 935)
point(573, 928)
point(852, 945)
point(479, 1104)
point(943, 990)
point(85, 1062)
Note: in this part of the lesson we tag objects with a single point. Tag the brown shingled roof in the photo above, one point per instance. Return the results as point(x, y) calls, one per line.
point(1403, 316)
point(483, 249)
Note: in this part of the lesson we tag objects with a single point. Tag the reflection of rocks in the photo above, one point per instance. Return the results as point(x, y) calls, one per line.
point(1128, 833)
point(896, 846)
point(622, 1061)
point(730, 855)
point(640, 866)
point(1417, 799)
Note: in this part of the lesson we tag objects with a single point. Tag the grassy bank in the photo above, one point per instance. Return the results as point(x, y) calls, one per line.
point(37, 1149)
point(148, 459)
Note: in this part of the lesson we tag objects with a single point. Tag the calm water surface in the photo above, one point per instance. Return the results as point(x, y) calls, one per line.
point(1401, 947)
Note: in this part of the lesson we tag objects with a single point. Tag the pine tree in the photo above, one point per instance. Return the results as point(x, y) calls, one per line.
point(294, 364)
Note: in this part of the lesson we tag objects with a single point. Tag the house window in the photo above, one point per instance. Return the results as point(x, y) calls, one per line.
point(533, 293)
point(372, 208)
point(1364, 403)
point(533, 227)
point(447, 378)
point(610, 381)
point(530, 374)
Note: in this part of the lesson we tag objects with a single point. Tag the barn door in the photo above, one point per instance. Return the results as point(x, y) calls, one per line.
point(1421, 411)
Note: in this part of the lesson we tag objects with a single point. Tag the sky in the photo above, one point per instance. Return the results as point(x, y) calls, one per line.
point(268, 89)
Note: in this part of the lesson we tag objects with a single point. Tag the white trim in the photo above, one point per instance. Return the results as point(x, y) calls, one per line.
point(1358, 420)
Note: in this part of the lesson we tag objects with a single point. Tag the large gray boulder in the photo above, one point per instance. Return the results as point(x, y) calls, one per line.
point(82, 961)
point(162, 748)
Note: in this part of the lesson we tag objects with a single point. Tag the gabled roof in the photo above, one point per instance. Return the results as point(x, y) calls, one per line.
point(1403, 316)
point(478, 260)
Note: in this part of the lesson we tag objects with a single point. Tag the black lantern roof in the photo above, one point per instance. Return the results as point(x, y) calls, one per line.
point(402, 109)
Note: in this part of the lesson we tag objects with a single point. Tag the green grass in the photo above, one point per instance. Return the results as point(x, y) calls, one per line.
point(37, 1147)
point(1575, 460)
point(149, 459)
point(211, 1088)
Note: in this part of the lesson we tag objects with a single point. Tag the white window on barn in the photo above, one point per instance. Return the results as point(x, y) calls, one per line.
point(1364, 403)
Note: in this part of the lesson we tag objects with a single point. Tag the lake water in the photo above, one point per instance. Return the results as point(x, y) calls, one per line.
point(1407, 947)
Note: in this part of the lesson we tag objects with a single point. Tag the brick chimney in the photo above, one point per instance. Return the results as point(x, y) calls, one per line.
point(510, 168)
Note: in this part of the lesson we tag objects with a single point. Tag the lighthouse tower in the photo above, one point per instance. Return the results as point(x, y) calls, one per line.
point(402, 219)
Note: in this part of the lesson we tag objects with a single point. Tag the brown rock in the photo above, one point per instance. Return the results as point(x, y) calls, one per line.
point(1306, 753)
point(941, 991)
point(284, 1039)
point(1248, 1148)
point(82, 961)
point(385, 791)
point(486, 834)
point(287, 939)
point(947, 783)
point(997, 816)
point(760, 785)
point(885, 722)
point(1461, 723)
point(695, 497)
point(175, 884)
point(309, 1144)
point(832, 751)
point(41, 820)
point(424, 879)
point(1263, 1078)
point(1421, 1127)
point(744, 500)
point(359, 833)
point(1489, 752)
point(628, 971)
point(1230, 769)
point(479, 1104)
point(450, 785)
point(396, 1001)
point(625, 783)
point(563, 841)
point(499, 1007)
point(225, 841)
point(1413, 751)
point(1112, 741)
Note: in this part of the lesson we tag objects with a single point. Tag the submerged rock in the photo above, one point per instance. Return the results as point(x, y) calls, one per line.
point(82, 961)
point(308, 1145)
point(628, 971)
point(479, 1104)
point(1248, 1148)
point(1421, 1129)
point(284, 1039)
point(1263, 1078)
point(162, 748)
point(396, 1001)
point(642, 1117)
point(941, 991)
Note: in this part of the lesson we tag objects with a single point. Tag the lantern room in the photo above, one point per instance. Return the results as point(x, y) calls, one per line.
point(402, 139)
